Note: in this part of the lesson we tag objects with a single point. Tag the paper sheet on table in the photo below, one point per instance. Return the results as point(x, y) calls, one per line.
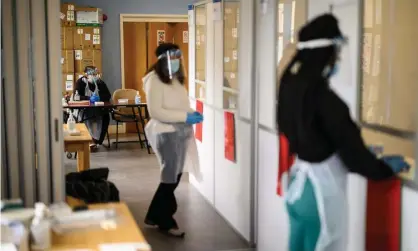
point(138, 246)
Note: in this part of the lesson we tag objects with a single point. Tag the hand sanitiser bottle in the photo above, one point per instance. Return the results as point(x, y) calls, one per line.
point(41, 228)
point(71, 123)
point(76, 96)
point(137, 98)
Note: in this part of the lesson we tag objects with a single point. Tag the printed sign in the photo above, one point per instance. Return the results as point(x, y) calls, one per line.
point(70, 77)
point(70, 15)
point(78, 55)
point(185, 37)
point(235, 54)
point(96, 39)
point(160, 37)
point(87, 37)
point(68, 85)
point(234, 32)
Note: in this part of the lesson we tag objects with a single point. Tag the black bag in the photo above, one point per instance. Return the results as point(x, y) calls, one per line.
point(91, 186)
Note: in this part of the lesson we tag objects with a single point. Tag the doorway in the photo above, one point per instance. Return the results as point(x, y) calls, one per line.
point(140, 36)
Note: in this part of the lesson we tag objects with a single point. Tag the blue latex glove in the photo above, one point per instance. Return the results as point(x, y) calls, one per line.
point(396, 162)
point(94, 98)
point(194, 118)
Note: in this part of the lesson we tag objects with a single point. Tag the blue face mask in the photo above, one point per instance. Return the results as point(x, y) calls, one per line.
point(175, 65)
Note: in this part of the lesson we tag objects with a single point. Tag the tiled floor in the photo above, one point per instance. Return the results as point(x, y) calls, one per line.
point(136, 174)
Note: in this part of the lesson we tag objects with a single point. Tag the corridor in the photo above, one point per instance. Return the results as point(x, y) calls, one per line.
point(136, 175)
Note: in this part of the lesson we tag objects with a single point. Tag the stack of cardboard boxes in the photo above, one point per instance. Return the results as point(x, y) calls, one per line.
point(200, 43)
point(231, 22)
point(80, 42)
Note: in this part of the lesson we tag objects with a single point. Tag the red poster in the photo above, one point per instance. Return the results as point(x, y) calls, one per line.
point(383, 215)
point(230, 153)
point(199, 127)
point(285, 161)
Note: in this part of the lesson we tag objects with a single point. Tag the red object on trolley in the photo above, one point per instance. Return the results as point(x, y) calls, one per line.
point(286, 160)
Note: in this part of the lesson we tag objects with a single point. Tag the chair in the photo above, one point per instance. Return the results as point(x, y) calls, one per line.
point(127, 114)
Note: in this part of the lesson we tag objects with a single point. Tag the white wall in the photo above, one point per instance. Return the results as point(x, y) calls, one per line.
point(226, 184)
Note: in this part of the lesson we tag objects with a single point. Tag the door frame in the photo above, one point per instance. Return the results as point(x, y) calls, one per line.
point(137, 18)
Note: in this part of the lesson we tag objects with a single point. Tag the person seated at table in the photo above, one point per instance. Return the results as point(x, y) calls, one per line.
point(96, 119)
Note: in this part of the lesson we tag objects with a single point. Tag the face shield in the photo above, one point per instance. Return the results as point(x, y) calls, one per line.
point(338, 44)
point(174, 61)
point(92, 76)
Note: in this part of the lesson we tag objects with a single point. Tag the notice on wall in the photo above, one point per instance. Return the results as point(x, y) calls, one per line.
point(160, 37)
point(69, 85)
point(230, 149)
point(185, 37)
point(199, 127)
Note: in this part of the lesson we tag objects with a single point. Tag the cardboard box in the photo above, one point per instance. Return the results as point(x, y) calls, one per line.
point(88, 38)
point(89, 16)
point(231, 14)
point(200, 37)
point(231, 38)
point(200, 75)
point(200, 59)
point(231, 80)
point(68, 82)
point(67, 14)
point(85, 58)
point(67, 61)
point(230, 60)
point(67, 39)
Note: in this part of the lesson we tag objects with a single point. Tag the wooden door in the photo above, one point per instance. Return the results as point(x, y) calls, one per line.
point(181, 38)
point(135, 60)
point(158, 33)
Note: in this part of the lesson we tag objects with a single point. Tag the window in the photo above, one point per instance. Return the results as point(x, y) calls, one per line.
point(291, 16)
point(230, 63)
point(200, 51)
point(389, 92)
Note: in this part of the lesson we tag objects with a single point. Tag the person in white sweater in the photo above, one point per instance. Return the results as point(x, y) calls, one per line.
point(170, 132)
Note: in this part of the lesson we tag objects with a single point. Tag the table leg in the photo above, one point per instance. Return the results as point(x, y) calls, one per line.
point(83, 158)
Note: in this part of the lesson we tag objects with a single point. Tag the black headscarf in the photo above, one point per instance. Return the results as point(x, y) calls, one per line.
point(163, 48)
point(302, 79)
